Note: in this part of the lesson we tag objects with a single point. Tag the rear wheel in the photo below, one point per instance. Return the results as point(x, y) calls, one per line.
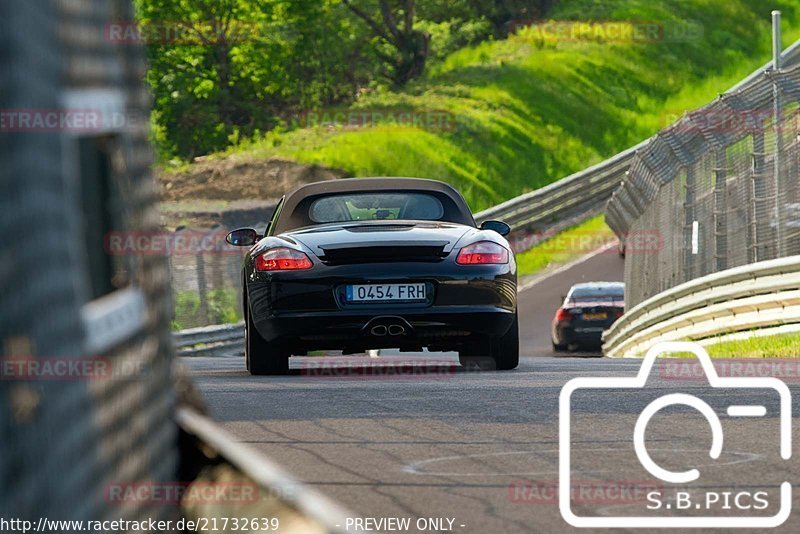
point(505, 349)
point(262, 357)
point(477, 358)
point(496, 353)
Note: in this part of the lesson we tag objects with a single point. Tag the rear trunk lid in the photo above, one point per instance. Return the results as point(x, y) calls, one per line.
point(363, 242)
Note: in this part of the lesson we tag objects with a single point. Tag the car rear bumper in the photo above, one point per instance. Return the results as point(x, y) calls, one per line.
point(311, 311)
point(567, 335)
point(440, 326)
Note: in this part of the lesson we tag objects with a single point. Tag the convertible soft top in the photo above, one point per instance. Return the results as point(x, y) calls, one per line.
point(293, 215)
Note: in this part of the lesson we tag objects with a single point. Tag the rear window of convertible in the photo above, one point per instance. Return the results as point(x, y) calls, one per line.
point(375, 207)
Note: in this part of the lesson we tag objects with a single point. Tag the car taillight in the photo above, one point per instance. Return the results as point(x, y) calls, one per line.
point(482, 253)
point(282, 259)
point(619, 313)
point(563, 315)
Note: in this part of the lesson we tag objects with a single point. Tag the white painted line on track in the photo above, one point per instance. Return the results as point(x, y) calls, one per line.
point(419, 467)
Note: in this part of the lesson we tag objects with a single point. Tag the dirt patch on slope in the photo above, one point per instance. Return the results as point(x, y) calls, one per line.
point(237, 178)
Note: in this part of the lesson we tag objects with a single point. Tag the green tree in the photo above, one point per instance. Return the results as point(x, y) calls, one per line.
point(406, 47)
point(223, 70)
point(500, 13)
point(237, 67)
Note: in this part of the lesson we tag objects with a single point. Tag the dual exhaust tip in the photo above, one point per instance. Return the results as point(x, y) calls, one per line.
point(392, 330)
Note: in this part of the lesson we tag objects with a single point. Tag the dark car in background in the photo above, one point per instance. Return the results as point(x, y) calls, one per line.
point(588, 309)
point(371, 263)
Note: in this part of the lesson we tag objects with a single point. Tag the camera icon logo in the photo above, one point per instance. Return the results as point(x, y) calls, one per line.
point(638, 382)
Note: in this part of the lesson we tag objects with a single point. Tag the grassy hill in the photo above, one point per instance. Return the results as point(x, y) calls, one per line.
point(531, 109)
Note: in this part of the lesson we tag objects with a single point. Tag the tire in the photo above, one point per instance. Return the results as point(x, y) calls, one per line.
point(505, 349)
point(262, 357)
point(476, 359)
point(559, 347)
point(477, 356)
point(493, 354)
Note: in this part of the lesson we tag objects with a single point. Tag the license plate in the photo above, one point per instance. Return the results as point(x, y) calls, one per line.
point(594, 316)
point(386, 293)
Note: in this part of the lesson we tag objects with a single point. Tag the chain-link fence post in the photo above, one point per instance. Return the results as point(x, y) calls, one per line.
point(218, 260)
point(202, 287)
point(759, 220)
point(690, 225)
point(720, 209)
point(778, 117)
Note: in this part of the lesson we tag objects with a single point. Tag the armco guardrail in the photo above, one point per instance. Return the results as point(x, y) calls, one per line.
point(295, 507)
point(208, 334)
point(581, 192)
point(85, 380)
point(759, 295)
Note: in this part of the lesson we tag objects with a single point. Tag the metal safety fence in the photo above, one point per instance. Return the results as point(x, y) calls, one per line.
point(206, 280)
point(86, 393)
point(717, 189)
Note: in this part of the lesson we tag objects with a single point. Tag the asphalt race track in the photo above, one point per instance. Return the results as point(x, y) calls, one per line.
point(419, 437)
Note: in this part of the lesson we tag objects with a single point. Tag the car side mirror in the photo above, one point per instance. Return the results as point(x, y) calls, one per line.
point(498, 226)
point(243, 237)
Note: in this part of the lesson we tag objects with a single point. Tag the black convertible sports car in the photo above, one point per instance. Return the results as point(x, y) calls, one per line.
point(370, 263)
